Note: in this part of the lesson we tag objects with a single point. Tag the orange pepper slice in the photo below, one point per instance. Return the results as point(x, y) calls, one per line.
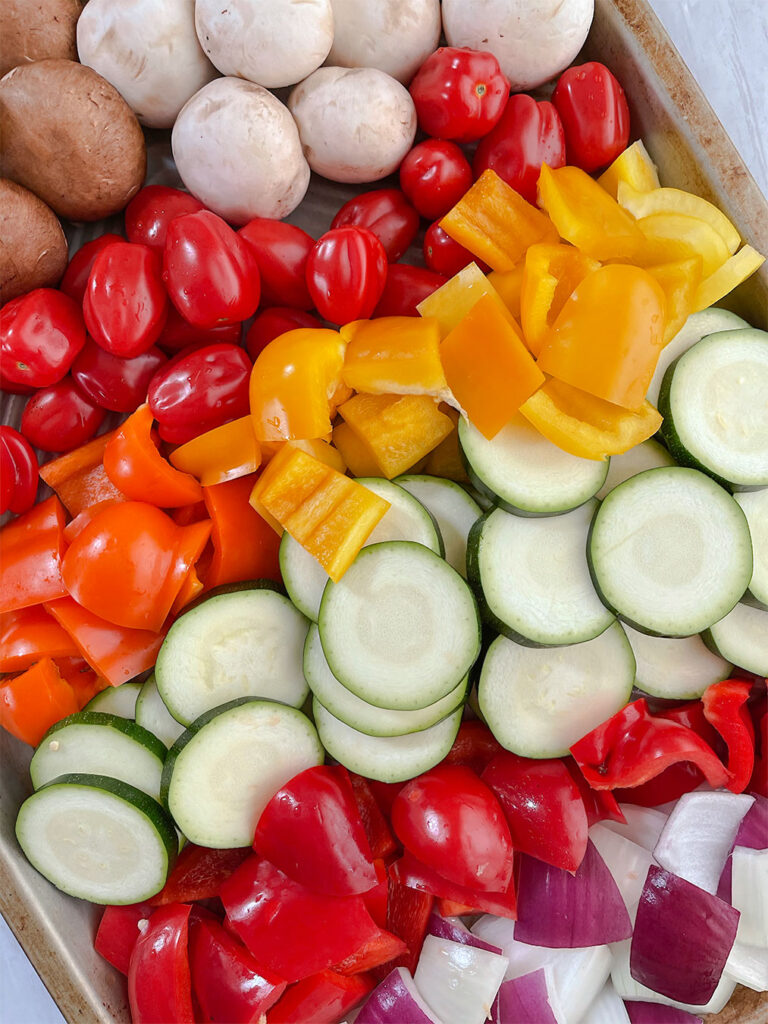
point(318, 448)
point(550, 275)
point(451, 302)
point(244, 545)
point(31, 551)
point(78, 476)
point(34, 701)
point(28, 634)
point(221, 454)
point(394, 355)
point(509, 285)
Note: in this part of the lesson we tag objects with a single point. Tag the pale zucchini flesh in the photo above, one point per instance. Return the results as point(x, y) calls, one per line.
point(675, 668)
point(153, 715)
point(648, 455)
point(116, 700)
point(742, 637)
point(754, 505)
point(454, 510)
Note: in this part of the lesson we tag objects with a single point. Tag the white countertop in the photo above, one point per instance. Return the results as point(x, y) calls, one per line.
point(724, 43)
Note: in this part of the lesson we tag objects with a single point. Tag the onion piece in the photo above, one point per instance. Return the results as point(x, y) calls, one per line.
point(682, 938)
point(563, 910)
point(627, 862)
point(750, 895)
point(459, 982)
point(630, 989)
point(699, 834)
point(753, 833)
point(453, 928)
point(657, 1013)
point(396, 999)
point(748, 965)
point(527, 998)
point(643, 826)
point(607, 1008)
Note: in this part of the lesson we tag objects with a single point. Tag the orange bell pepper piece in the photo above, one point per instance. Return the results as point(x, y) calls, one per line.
point(608, 336)
point(550, 275)
point(78, 476)
point(221, 454)
point(645, 203)
point(319, 448)
point(78, 524)
point(679, 281)
point(393, 355)
point(28, 634)
point(633, 167)
point(587, 216)
point(31, 549)
point(451, 302)
point(357, 456)
point(670, 237)
point(397, 430)
point(495, 223)
point(294, 385)
point(244, 545)
point(81, 677)
point(509, 285)
point(115, 653)
point(133, 463)
point(715, 287)
point(488, 369)
point(34, 701)
point(587, 426)
point(191, 588)
point(329, 514)
point(446, 460)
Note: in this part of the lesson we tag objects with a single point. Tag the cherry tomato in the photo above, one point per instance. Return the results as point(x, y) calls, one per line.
point(18, 472)
point(75, 279)
point(405, 288)
point(346, 272)
point(60, 417)
point(387, 213)
point(114, 383)
point(200, 390)
point(271, 323)
point(210, 272)
point(445, 256)
point(595, 115)
point(434, 176)
point(152, 209)
point(528, 135)
point(40, 335)
point(179, 334)
point(125, 303)
point(281, 252)
point(452, 822)
point(12, 388)
point(459, 93)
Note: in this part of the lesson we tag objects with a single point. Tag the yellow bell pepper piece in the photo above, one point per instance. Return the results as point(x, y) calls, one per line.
point(550, 274)
point(509, 284)
point(488, 369)
point(329, 514)
point(674, 200)
point(318, 448)
point(268, 518)
point(634, 167)
point(221, 454)
point(446, 460)
point(495, 223)
point(670, 237)
point(355, 453)
point(586, 216)
point(451, 302)
point(735, 270)
point(396, 430)
point(393, 355)
point(608, 335)
point(679, 282)
point(587, 426)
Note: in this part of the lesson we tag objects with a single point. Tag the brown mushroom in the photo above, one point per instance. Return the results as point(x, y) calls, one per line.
point(33, 249)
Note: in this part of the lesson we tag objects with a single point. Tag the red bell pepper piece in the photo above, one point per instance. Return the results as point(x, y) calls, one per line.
point(244, 545)
point(31, 550)
point(724, 706)
point(412, 872)
point(473, 747)
point(230, 986)
point(759, 781)
point(28, 634)
point(289, 929)
point(408, 913)
point(34, 701)
point(449, 908)
point(382, 949)
point(198, 874)
point(118, 932)
point(600, 804)
point(323, 998)
point(79, 478)
point(377, 898)
point(384, 794)
point(632, 747)
point(311, 830)
point(159, 983)
point(377, 830)
point(81, 677)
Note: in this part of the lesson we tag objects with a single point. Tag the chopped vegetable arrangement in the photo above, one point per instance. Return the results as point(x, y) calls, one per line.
point(397, 653)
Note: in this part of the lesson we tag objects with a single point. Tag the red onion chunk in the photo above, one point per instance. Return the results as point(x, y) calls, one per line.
point(631, 989)
point(454, 929)
point(396, 1000)
point(753, 834)
point(559, 909)
point(457, 981)
point(657, 1013)
point(682, 938)
point(525, 999)
point(627, 862)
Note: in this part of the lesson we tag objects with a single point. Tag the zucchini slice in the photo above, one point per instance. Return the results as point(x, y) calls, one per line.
point(648, 455)
point(754, 505)
point(455, 512)
point(742, 637)
point(675, 668)
point(116, 700)
point(153, 715)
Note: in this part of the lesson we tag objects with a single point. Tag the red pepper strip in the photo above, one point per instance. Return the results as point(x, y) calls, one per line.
point(134, 465)
point(81, 677)
point(159, 984)
point(34, 701)
point(384, 793)
point(377, 830)
point(412, 872)
point(382, 949)
point(118, 931)
point(600, 805)
point(323, 998)
point(28, 634)
point(377, 898)
point(408, 912)
point(759, 781)
point(474, 746)
point(188, 514)
point(31, 550)
point(449, 908)
point(78, 477)
point(114, 652)
point(632, 747)
point(725, 708)
point(198, 874)
point(244, 546)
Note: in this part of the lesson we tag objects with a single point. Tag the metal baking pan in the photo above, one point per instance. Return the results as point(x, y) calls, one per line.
point(693, 152)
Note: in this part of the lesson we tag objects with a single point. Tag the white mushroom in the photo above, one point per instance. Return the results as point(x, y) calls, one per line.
point(395, 36)
point(148, 51)
point(237, 149)
point(356, 124)
point(270, 42)
point(533, 40)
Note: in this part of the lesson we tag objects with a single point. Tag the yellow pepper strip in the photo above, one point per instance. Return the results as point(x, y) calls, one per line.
point(634, 167)
point(674, 200)
point(495, 223)
point(679, 282)
point(268, 518)
point(451, 302)
point(676, 236)
point(550, 274)
point(488, 369)
point(509, 283)
point(394, 355)
point(587, 426)
point(293, 385)
point(221, 454)
point(735, 270)
point(318, 448)
point(608, 335)
point(397, 430)
point(586, 216)
point(329, 514)
point(446, 460)
point(355, 453)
